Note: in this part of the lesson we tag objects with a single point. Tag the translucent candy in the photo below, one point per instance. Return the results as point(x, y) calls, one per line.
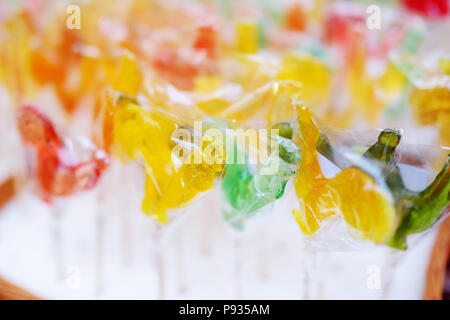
point(353, 194)
point(247, 187)
point(295, 18)
point(56, 63)
point(171, 183)
point(429, 8)
point(213, 96)
point(207, 40)
point(15, 57)
point(444, 64)
point(421, 210)
point(57, 170)
point(392, 81)
point(430, 102)
point(128, 77)
point(247, 37)
point(312, 73)
point(362, 88)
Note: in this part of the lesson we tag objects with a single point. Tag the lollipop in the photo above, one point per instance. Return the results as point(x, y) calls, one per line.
point(422, 209)
point(168, 185)
point(176, 168)
point(57, 175)
point(181, 66)
point(428, 8)
point(368, 193)
point(59, 172)
point(430, 101)
point(247, 189)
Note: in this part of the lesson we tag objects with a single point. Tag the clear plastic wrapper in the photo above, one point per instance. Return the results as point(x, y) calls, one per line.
point(171, 152)
point(61, 167)
point(340, 177)
point(254, 180)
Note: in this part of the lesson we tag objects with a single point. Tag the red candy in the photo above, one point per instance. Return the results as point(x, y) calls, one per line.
point(428, 8)
point(57, 178)
point(206, 40)
point(36, 129)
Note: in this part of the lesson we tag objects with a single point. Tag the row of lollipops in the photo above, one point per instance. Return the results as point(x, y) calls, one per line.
point(368, 191)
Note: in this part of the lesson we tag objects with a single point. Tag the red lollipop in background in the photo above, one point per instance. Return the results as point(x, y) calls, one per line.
point(428, 8)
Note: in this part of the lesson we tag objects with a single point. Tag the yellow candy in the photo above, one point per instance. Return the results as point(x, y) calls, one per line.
point(15, 58)
point(312, 73)
point(317, 11)
point(431, 104)
point(364, 97)
point(443, 122)
point(352, 194)
point(208, 101)
point(366, 207)
point(318, 200)
point(362, 89)
point(444, 65)
point(127, 78)
point(392, 81)
point(247, 37)
point(170, 183)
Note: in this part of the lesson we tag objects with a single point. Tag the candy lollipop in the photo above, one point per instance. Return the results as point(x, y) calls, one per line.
point(173, 179)
point(418, 210)
point(181, 66)
point(57, 175)
point(167, 186)
point(428, 8)
point(430, 101)
point(383, 194)
point(368, 193)
point(247, 189)
point(15, 58)
point(58, 171)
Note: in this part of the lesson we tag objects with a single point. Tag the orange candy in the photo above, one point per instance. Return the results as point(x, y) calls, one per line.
point(295, 18)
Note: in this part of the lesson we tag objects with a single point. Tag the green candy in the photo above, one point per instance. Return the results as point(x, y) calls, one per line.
point(421, 210)
point(246, 189)
point(418, 210)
